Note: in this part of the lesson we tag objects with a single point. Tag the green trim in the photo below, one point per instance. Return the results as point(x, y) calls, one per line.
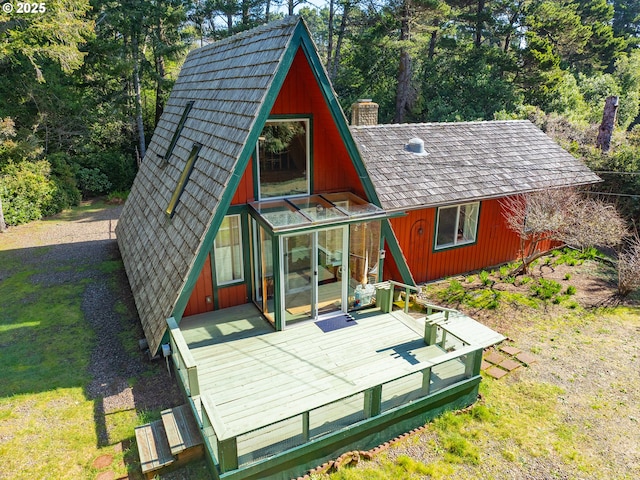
point(182, 180)
point(461, 245)
point(363, 436)
point(338, 116)
point(277, 285)
point(214, 283)
point(396, 251)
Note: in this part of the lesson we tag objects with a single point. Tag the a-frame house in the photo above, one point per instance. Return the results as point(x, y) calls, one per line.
point(262, 259)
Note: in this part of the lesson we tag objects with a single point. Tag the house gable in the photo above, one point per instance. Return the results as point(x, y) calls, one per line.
point(228, 83)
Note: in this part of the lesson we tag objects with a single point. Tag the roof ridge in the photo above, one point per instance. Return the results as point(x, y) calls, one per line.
point(473, 122)
point(287, 21)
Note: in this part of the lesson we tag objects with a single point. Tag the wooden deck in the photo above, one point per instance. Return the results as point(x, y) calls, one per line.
point(256, 376)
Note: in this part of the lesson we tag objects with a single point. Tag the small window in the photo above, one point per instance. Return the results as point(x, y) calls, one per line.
point(228, 251)
point(182, 181)
point(457, 225)
point(178, 131)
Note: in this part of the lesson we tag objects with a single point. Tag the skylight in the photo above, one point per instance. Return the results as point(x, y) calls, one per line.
point(182, 181)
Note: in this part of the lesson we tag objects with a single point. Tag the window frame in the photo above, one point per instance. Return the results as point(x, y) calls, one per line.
point(182, 180)
point(308, 121)
point(178, 131)
point(456, 242)
point(240, 252)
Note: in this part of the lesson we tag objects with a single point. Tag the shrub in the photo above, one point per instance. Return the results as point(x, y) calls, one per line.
point(571, 290)
point(27, 191)
point(545, 289)
point(93, 182)
point(629, 267)
point(484, 277)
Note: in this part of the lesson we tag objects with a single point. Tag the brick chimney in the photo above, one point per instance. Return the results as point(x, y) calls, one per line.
point(364, 112)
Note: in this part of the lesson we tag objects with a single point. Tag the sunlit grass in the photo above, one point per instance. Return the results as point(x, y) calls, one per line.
point(48, 425)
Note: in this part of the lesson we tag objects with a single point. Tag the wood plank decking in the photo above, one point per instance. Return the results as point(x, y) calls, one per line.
point(258, 376)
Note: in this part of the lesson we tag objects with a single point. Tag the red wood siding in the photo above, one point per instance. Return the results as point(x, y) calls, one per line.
point(495, 244)
point(204, 288)
point(244, 192)
point(333, 170)
point(232, 295)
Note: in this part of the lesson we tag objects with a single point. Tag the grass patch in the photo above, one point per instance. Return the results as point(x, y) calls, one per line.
point(48, 426)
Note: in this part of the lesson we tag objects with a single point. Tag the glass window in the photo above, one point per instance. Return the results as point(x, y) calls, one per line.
point(457, 225)
point(182, 181)
point(178, 130)
point(228, 251)
point(283, 158)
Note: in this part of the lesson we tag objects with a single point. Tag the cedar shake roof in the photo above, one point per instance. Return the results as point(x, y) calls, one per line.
point(228, 81)
point(463, 162)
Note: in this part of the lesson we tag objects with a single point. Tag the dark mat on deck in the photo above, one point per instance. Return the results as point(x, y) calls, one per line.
point(341, 320)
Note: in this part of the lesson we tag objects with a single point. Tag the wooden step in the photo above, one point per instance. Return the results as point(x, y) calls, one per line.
point(153, 447)
point(181, 428)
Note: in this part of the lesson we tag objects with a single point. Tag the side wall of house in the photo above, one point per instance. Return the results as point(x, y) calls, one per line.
point(333, 171)
point(495, 244)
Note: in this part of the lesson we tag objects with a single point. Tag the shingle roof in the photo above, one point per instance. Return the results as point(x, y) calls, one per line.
point(228, 82)
point(464, 162)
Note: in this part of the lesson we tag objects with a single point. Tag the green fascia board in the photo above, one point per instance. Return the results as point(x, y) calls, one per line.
point(238, 171)
point(365, 435)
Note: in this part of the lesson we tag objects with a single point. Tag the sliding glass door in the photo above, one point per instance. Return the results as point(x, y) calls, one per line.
point(312, 277)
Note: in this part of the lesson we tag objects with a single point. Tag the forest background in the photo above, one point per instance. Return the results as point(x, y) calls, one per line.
point(84, 82)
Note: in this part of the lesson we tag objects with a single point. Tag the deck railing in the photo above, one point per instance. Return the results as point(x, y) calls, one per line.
point(183, 361)
point(234, 450)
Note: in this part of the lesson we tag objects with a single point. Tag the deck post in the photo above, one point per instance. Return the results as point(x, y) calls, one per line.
point(406, 300)
point(443, 342)
point(228, 452)
point(430, 332)
point(305, 426)
point(373, 401)
point(473, 363)
point(194, 386)
point(426, 381)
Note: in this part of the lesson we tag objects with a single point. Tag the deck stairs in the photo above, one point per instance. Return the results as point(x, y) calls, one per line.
point(172, 441)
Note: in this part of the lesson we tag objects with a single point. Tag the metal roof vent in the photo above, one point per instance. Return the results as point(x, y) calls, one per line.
point(416, 145)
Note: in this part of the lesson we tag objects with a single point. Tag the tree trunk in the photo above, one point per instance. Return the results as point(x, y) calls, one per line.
point(343, 27)
point(138, 96)
point(330, 35)
point(160, 71)
point(479, 23)
point(605, 131)
point(432, 44)
point(267, 11)
point(403, 92)
point(3, 225)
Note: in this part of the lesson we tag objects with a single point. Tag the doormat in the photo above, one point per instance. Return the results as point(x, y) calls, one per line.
point(341, 320)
